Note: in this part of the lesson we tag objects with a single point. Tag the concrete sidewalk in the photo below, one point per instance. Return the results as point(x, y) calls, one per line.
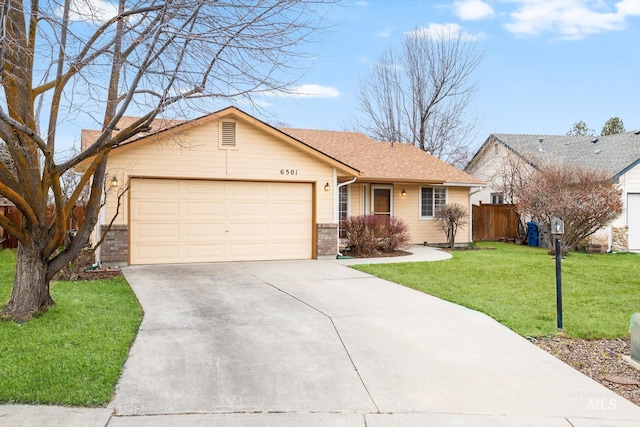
point(316, 343)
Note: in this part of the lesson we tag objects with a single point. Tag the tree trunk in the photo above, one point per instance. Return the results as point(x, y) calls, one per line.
point(30, 294)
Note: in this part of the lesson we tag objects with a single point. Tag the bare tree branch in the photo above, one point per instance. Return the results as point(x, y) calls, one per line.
point(422, 95)
point(144, 58)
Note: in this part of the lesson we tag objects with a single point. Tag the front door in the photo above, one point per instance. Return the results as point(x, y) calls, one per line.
point(381, 202)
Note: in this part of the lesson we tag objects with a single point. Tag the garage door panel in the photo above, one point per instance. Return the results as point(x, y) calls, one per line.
point(165, 189)
point(291, 210)
point(156, 231)
point(204, 209)
point(247, 251)
point(248, 209)
point(203, 231)
point(241, 191)
point(155, 208)
point(288, 191)
point(205, 252)
point(155, 254)
point(207, 221)
point(244, 230)
point(291, 230)
point(291, 250)
point(203, 190)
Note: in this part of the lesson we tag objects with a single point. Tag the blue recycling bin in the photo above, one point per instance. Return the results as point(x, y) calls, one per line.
point(532, 234)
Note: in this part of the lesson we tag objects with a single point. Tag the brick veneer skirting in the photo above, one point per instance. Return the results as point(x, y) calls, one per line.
point(326, 239)
point(115, 248)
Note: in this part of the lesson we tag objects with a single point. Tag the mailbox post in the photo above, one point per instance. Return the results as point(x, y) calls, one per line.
point(557, 230)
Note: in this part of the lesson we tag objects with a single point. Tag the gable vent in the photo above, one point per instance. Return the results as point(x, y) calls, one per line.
point(228, 134)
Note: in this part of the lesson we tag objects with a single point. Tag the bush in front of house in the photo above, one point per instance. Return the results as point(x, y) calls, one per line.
point(368, 235)
point(451, 217)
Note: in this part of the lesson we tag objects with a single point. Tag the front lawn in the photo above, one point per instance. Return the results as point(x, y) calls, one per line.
point(74, 353)
point(516, 286)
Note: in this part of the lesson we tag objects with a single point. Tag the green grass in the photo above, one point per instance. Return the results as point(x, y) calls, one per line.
point(72, 354)
point(516, 286)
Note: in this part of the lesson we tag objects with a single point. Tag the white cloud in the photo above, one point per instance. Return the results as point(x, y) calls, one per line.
point(307, 91)
point(91, 10)
point(362, 59)
point(629, 7)
point(471, 10)
point(362, 3)
point(570, 19)
point(384, 33)
point(444, 31)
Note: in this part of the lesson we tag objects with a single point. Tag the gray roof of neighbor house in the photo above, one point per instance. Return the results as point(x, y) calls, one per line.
point(615, 154)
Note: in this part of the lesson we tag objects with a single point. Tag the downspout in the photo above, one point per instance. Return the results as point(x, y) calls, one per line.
point(98, 228)
point(336, 207)
point(95, 234)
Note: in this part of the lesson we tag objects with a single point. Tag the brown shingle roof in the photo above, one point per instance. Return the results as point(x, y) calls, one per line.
point(382, 161)
point(377, 161)
point(88, 136)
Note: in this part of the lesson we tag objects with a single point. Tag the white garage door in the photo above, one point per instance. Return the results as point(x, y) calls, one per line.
point(633, 220)
point(181, 221)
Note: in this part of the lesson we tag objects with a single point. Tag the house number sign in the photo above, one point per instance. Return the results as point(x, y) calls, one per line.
point(288, 171)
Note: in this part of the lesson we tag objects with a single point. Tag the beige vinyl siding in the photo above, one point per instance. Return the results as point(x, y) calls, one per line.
point(194, 153)
point(408, 209)
point(355, 201)
point(427, 230)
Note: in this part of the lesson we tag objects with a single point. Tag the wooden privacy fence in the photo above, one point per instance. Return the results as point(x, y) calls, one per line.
point(493, 222)
point(11, 212)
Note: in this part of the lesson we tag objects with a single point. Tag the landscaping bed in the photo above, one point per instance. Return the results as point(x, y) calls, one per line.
point(82, 268)
point(601, 360)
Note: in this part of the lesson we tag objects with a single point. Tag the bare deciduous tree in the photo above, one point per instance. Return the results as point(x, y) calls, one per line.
point(76, 59)
point(509, 178)
point(585, 199)
point(450, 218)
point(422, 95)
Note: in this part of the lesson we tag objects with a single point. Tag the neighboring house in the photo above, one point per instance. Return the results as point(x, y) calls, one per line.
point(229, 187)
point(618, 155)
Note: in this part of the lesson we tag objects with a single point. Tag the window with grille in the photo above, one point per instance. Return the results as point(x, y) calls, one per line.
point(343, 208)
point(497, 198)
point(431, 198)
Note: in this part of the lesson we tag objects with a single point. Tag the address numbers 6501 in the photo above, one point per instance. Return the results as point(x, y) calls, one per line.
point(288, 171)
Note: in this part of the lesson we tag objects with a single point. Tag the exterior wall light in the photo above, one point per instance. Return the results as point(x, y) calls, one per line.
point(404, 193)
point(327, 187)
point(114, 182)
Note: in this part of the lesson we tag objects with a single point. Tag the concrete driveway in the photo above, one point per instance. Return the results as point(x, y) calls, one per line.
point(318, 343)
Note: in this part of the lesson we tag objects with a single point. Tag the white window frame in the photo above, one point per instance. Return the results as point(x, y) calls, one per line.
point(446, 201)
point(381, 187)
point(497, 195)
point(348, 212)
point(365, 205)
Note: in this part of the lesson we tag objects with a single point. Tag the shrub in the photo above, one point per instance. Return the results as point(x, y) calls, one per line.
point(450, 218)
point(585, 199)
point(368, 235)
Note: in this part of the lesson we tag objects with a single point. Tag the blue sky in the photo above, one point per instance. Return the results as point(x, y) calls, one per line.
point(548, 63)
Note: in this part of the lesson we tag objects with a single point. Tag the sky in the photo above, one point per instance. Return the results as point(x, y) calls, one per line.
point(547, 64)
